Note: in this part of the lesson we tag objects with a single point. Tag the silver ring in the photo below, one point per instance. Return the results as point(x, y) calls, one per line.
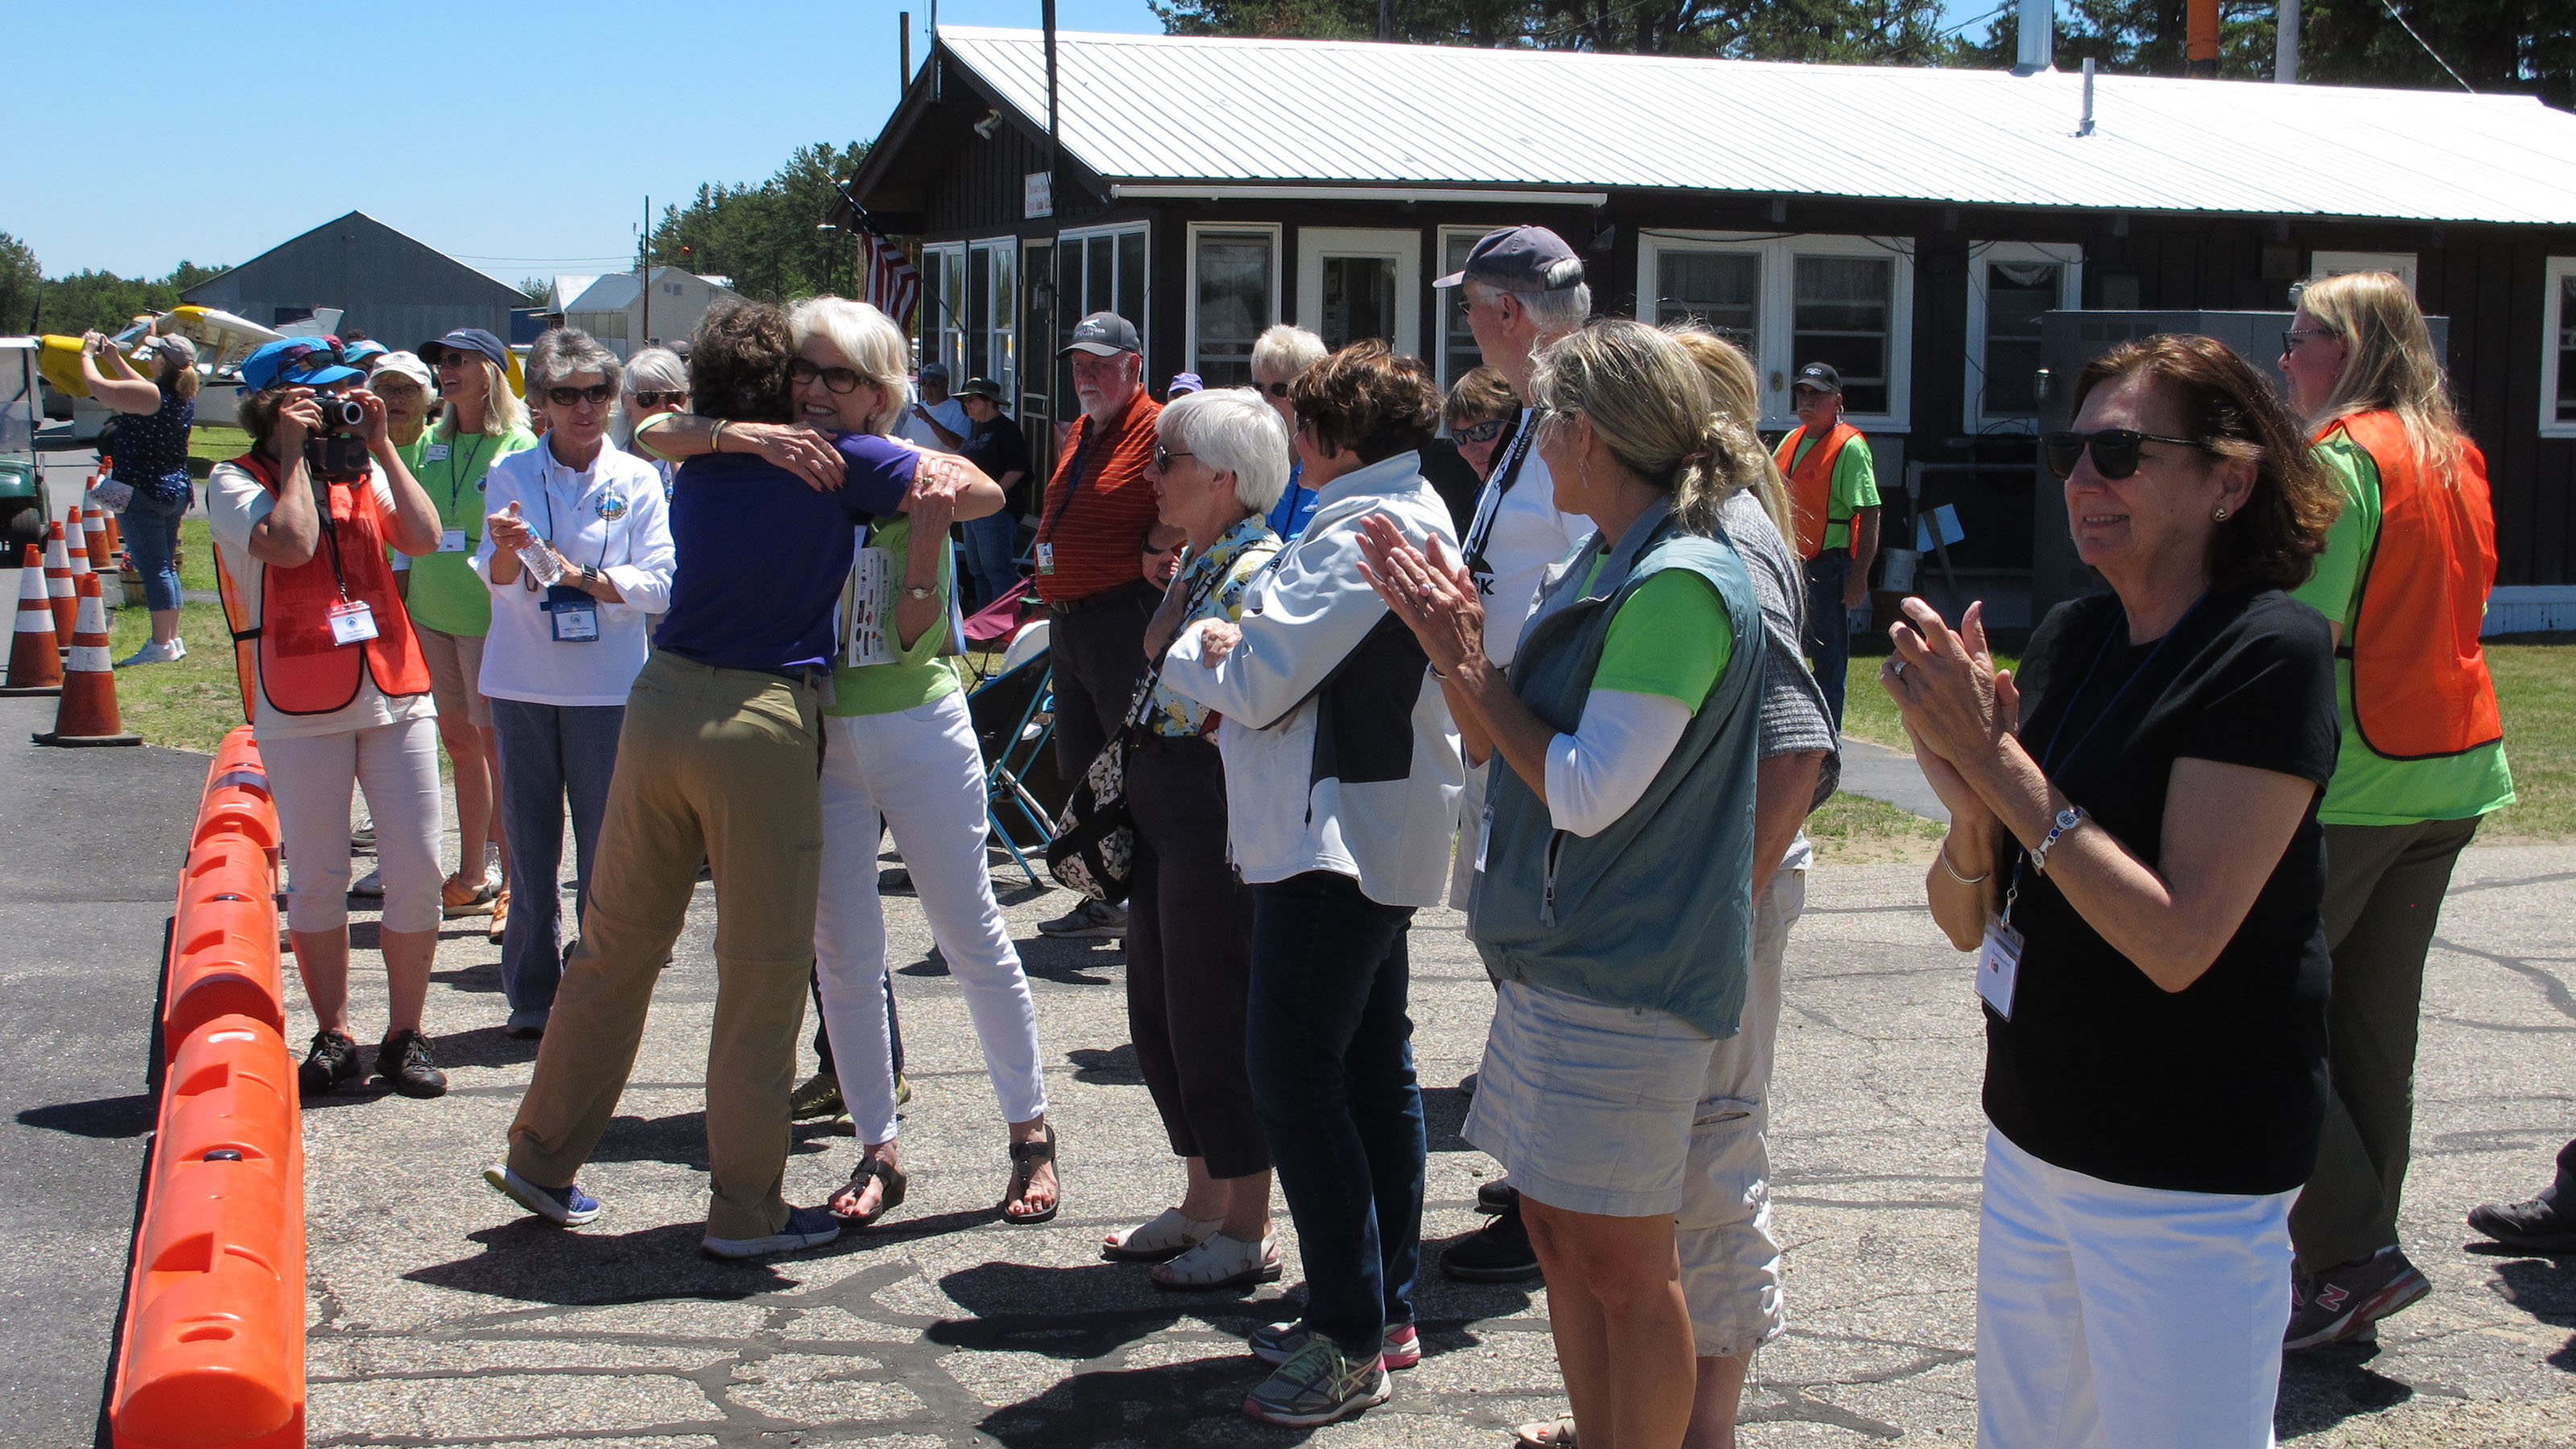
point(1900, 670)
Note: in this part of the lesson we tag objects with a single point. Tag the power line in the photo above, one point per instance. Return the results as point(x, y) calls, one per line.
point(2428, 50)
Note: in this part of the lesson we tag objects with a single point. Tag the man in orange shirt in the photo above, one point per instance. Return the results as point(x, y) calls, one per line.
point(1102, 558)
point(1833, 492)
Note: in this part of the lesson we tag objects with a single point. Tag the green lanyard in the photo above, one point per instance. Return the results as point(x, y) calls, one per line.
point(456, 478)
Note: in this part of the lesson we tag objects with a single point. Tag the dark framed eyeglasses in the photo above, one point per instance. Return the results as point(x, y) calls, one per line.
point(1484, 432)
point(1275, 389)
point(835, 379)
point(652, 399)
point(2291, 339)
point(1163, 458)
point(2115, 450)
point(598, 394)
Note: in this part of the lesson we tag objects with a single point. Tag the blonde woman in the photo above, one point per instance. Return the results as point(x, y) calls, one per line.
point(154, 415)
point(2404, 581)
point(451, 610)
point(1613, 906)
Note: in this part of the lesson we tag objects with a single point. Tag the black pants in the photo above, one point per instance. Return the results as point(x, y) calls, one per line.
point(1098, 655)
point(1189, 957)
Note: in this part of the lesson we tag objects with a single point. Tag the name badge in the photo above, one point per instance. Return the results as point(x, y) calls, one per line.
point(452, 541)
point(353, 622)
point(575, 615)
point(434, 453)
point(1046, 558)
point(1999, 966)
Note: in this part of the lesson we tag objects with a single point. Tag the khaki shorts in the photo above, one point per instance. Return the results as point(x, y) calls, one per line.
point(455, 674)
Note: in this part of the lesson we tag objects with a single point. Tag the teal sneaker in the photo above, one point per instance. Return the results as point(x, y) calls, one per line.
point(1319, 1384)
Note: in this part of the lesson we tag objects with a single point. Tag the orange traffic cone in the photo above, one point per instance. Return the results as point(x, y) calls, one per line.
point(58, 582)
point(34, 666)
point(76, 549)
point(87, 715)
point(115, 538)
point(94, 530)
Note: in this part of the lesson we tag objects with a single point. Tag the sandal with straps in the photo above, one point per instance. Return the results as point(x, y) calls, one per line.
point(1222, 1262)
point(1167, 1235)
point(1545, 1434)
point(1025, 1159)
point(888, 1198)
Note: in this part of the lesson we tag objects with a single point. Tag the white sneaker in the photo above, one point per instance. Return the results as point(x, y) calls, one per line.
point(370, 884)
point(169, 653)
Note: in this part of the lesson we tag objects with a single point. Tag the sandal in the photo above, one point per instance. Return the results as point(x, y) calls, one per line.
point(1025, 1160)
point(1546, 1434)
point(1219, 1263)
point(1170, 1234)
point(889, 1198)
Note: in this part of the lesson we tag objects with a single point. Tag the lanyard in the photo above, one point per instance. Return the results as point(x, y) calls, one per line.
point(331, 539)
point(2049, 759)
point(1490, 506)
point(456, 476)
point(1072, 480)
point(546, 476)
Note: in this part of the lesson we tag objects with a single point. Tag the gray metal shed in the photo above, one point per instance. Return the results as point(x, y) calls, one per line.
point(400, 291)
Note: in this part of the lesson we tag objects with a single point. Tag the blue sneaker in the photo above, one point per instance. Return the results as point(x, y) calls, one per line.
point(807, 1227)
point(569, 1206)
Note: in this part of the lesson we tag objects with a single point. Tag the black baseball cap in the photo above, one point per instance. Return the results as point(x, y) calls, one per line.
point(1103, 334)
point(468, 339)
point(1820, 376)
point(1520, 259)
point(981, 387)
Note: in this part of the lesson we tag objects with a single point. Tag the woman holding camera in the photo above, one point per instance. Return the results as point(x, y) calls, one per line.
point(334, 684)
point(154, 415)
point(564, 650)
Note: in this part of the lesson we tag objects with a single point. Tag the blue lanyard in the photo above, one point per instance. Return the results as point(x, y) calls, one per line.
point(2049, 759)
point(545, 489)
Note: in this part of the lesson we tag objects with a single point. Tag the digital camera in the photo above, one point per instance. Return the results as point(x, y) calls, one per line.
point(339, 451)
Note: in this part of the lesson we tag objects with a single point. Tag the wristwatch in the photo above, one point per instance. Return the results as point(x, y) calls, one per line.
point(2067, 819)
point(590, 574)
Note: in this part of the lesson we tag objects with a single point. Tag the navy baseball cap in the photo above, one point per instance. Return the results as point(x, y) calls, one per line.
point(1520, 259)
point(468, 339)
point(936, 369)
point(295, 362)
point(1103, 334)
point(1820, 376)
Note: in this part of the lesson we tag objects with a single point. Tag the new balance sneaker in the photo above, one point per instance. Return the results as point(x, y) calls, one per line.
point(807, 1227)
point(2345, 1301)
point(404, 1059)
point(569, 1206)
point(155, 653)
point(1089, 921)
point(1498, 1252)
point(817, 1096)
point(1317, 1385)
point(1399, 1348)
point(332, 1060)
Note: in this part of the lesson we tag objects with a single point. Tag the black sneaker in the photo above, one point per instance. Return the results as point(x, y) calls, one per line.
point(404, 1060)
point(332, 1061)
point(1089, 921)
point(1498, 1252)
point(2544, 1224)
point(1497, 1197)
point(2344, 1302)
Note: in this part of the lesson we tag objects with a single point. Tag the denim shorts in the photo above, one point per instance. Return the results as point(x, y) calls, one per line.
point(1589, 1105)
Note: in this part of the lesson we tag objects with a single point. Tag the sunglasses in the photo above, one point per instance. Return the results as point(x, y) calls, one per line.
point(834, 379)
point(597, 394)
point(2115, 450)
point(1275, 389)
point(1484, 432)
point(2290, 340)
point(458, 357)
point(650, 399)
point(1163, 458)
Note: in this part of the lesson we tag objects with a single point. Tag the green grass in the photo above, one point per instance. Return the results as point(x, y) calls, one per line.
point(189, 705)
point(216, 443)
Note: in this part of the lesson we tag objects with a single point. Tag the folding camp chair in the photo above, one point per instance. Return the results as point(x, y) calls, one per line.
point(1014, 718)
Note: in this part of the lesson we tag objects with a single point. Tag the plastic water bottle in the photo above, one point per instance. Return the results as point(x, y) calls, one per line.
point(542, 561)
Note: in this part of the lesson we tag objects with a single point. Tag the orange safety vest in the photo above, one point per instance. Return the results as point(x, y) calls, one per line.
point(1811, 485)
point(2420, 688)
point(288, 653)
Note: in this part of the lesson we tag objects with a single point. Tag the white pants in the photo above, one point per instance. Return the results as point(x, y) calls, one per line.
point(2125, 1317)
point(919, 774)
point(1730, 1261)
point(310, 778)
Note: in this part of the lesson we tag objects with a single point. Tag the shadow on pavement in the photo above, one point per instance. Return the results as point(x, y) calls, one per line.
point(2321, 1387)
point(532, 1261)
point(1160, 1405)
point(105, 1117)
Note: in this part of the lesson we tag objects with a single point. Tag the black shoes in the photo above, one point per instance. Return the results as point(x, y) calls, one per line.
point(403, 1059)
point(1498, 1252)
point(2544, 1224)
point(332, 1061)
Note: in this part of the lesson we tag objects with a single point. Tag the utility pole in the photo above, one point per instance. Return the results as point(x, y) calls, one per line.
point(2285, 45)
point(1386, 19)
point(644, 279)
point(903, 49)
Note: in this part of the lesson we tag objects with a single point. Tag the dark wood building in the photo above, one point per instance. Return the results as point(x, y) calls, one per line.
point(1909, 226)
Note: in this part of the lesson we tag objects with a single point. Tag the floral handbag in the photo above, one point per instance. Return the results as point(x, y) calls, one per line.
point(1094, 849)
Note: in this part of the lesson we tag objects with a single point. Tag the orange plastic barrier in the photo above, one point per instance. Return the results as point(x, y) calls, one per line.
point(213, 1352)
point(223, 946)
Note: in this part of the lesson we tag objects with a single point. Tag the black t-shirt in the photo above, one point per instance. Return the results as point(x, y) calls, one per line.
point(998, 447)
point(2219, 1087)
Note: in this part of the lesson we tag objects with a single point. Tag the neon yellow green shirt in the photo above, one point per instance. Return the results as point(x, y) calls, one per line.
point(920, 674)
point(1672, 637)
point(446, 594)
point(2368, 788)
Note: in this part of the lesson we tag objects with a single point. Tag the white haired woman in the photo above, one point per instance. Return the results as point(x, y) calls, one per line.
point(1279, 356)
point(657, 382)
point(451, 609)
point(153, 418)
point(564, 652)
point(1220, 462)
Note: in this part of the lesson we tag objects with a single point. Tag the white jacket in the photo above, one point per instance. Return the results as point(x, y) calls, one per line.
point(1339, 751)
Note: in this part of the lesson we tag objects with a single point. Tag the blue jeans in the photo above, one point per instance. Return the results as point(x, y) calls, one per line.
point(1829, 627)
point(548, 752)
point(151, 528)
point(1330, 1053)
point(992, 546)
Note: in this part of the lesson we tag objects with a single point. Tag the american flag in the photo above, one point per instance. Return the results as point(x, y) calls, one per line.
point(894, 285)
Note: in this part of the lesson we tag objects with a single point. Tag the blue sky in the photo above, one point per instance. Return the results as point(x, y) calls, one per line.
point(521, 138)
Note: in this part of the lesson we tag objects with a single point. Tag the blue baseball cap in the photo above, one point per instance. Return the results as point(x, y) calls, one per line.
point(1520, 259)
point(355, 351)
point(468, 339)
point(295, 361)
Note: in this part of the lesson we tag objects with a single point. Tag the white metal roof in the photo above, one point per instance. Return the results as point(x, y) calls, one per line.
point(1188, 108)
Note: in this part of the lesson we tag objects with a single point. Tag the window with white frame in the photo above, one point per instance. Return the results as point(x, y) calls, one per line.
point(2011, 285)
point(969, 318)
point(1459, 354)
point(1100, 269)
point(2558, 360)
point(1233, 298)
point(1788, 301)
point(2336, 264)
